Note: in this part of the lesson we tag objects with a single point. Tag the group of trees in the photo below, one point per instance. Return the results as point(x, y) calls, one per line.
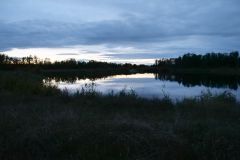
point(190, 60)
point(4, 59)
point(209, 60)
point(33, 61)
point(74, 64)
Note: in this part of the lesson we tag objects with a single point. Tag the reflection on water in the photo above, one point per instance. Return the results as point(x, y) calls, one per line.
point(212, 81)
point(151, 85)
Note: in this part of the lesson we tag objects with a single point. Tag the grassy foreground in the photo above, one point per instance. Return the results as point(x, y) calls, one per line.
point(38, 122)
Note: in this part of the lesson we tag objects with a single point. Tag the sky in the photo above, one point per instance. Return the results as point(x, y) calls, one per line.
point(134, 31)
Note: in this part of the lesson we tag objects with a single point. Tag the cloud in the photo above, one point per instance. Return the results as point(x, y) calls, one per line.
point(140, 56)
point(175, 26)
point(67, 54)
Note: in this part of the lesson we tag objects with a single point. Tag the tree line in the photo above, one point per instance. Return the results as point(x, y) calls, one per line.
point(209, 60)
point(33, 61)
point(190, 60)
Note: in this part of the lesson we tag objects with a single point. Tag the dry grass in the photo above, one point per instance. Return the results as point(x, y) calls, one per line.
point(46, 124)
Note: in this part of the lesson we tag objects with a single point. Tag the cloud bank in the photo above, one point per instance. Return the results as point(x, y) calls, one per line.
point(150, 27)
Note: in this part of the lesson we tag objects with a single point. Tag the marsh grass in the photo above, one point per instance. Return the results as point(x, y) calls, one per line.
point(40, 122)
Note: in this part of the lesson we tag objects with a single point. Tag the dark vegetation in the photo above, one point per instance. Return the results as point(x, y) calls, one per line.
point(34, 63)
point(210, 63)
point(40, 122)
point(209, 60)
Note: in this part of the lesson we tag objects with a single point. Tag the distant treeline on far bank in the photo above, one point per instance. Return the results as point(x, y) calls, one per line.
point(7, 62)
point(190, 60)
point(209, 60)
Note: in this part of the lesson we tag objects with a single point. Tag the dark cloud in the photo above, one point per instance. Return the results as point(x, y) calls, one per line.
point(135, 23)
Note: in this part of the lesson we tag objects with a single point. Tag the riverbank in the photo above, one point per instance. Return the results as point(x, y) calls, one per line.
point(164, 70)
point(39, 122)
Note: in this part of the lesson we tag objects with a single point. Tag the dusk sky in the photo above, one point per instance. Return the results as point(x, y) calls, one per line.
point(136, 31)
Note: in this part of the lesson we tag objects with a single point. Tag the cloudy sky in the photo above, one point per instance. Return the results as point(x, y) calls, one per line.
point(135, 31)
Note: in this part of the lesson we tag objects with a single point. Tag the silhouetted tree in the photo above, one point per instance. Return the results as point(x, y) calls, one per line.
point(208, 60)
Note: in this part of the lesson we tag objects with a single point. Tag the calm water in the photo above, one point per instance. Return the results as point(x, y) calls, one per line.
point(151, 85)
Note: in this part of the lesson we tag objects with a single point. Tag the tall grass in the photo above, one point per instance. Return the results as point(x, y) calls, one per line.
point(37, 122)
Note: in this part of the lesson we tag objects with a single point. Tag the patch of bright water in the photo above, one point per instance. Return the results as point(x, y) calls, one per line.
point(147, 85)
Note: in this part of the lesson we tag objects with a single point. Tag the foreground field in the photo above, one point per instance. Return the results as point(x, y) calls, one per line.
point(38, 122)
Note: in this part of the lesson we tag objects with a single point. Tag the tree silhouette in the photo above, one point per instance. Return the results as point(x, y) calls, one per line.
point(209, 60)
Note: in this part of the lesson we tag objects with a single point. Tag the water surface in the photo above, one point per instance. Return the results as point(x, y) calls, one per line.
point(151, 85)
